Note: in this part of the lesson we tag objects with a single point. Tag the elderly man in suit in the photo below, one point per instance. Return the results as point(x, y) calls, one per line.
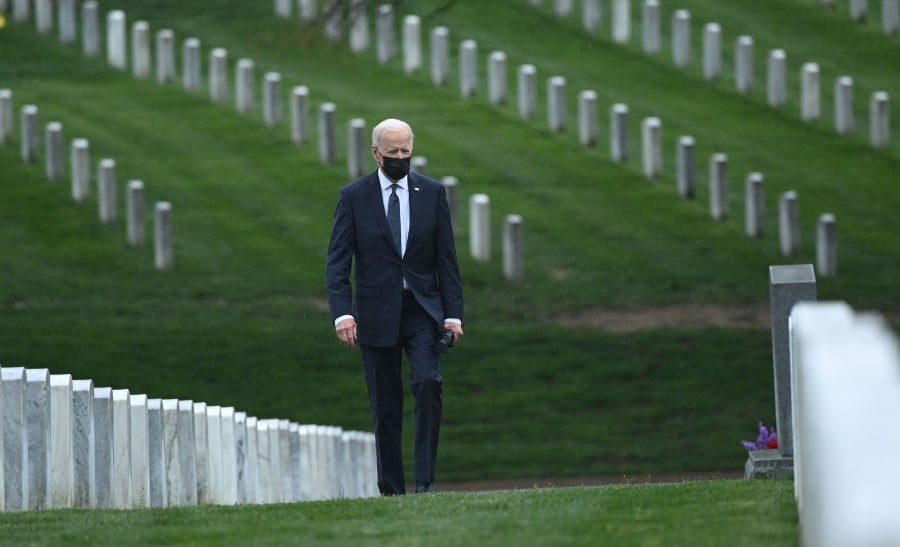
point(392, 229)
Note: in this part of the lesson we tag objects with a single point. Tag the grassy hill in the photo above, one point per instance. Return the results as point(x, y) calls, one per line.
point(242, 320)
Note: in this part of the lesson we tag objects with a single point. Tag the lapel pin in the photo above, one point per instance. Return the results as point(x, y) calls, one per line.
point(416, 188)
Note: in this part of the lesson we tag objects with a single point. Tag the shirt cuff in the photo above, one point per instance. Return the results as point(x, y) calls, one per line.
point(341, 318)
point(453, 320)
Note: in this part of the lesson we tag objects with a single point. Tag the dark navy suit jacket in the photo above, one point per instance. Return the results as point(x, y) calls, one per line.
point(361, 242)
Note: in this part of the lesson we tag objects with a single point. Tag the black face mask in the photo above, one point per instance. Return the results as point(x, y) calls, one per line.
point(395, 168)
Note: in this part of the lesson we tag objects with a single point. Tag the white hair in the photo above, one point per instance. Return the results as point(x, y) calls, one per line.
point(390, 124)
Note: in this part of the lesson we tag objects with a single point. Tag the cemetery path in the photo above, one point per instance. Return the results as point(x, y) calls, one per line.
point(689, 315)
point(524, 484)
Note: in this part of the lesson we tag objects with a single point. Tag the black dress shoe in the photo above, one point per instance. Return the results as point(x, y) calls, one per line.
point(423, 487)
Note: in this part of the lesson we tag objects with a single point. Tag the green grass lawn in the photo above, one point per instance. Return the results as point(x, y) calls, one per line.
point(695, 513)
point(242, 320)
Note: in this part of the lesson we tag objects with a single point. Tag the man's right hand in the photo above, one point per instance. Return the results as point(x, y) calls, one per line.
point(346, 332)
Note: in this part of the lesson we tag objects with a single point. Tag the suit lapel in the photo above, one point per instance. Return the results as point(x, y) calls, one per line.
point(376, 205)
point(415, 208)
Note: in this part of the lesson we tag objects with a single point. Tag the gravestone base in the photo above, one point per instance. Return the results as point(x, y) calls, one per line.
point(768, 464)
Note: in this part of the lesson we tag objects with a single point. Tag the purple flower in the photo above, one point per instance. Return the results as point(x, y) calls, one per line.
point(766, 439)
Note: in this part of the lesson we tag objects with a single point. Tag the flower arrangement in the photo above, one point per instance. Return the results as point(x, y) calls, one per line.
point(767, 439)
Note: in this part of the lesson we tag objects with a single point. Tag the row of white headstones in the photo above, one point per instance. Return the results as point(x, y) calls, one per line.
point(65, 443)
point(592, 14)
point(651, 134)
point(776, 75)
